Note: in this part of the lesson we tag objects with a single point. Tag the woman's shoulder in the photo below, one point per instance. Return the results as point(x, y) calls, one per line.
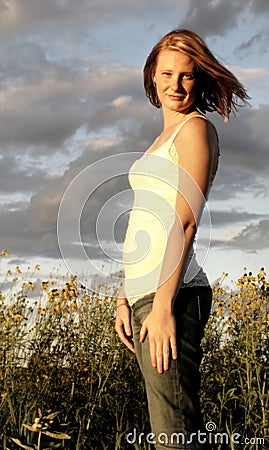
point(196, 126)
point(194, 121)
point(197, 141)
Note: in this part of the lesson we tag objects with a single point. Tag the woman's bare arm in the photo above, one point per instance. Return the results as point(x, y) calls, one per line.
point(123, 319)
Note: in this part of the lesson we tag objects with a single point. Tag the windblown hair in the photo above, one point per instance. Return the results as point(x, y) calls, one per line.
point(217, 88)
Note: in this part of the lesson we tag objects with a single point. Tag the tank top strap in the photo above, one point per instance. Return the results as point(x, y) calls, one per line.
point(177, 130)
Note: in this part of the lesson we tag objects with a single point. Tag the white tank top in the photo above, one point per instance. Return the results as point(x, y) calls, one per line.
point(154, 180)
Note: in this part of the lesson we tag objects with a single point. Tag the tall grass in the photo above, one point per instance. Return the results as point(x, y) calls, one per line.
point(67, 382)
point(235, 375)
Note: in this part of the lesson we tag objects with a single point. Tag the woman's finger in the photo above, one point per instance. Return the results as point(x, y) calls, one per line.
point(152, 351)
point(166, 355)
point(159, 357)
point(128, 328)
point(125, 337)
point(143, 333)
point(173, 344)
point(123, 326)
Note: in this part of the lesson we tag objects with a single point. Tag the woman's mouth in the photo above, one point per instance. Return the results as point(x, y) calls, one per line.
point(176, 97)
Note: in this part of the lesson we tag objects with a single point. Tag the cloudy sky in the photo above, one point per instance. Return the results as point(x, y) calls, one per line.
point(73, 117)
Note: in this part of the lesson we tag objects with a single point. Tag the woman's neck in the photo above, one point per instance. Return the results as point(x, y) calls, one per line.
point(173, 118)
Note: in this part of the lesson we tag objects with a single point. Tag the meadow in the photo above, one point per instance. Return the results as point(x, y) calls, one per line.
point(67, 382)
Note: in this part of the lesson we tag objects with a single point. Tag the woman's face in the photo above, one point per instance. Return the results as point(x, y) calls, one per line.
point(175, 81)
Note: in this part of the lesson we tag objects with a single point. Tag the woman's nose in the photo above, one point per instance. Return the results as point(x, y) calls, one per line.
point(177, 84)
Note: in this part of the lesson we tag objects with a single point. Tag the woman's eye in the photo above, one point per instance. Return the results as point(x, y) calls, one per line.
point(188, 76)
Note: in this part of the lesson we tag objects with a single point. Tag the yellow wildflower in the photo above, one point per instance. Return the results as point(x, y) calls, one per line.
point(31, 286)
point(73, 282)
point(4, 252)
point(57, 307)
point(44, 285)
point(106, 300)
point(53, 294)
point(219, 310)
point(18, 270)
point(19, 317)
point(65, 295)
point(73, 292)
point(73, 305)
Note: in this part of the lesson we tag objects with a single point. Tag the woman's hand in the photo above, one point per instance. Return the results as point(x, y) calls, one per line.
point(123, 324)
point(161, 329)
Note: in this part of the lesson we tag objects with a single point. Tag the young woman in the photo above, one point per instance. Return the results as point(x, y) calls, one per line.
point(165, 300)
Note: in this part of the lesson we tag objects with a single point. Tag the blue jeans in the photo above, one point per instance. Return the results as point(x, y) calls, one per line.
point(173, 401)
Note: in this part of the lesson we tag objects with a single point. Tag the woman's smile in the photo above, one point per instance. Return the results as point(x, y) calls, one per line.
point(176, 97)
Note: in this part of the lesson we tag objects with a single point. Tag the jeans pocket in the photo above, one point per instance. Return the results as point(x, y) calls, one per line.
point(142, 308)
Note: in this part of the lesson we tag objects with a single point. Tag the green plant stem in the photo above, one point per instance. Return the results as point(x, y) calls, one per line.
point(39, 441)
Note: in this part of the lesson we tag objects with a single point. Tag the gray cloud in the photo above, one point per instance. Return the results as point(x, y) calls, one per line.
point(243, 136)
point(247, 45)
point(259, 6)
point(224, 217)
point(216, 18)
point(243, 155)
point(33, 64)
point(64, 19)
point(212, 18)
point(53, 109)
point(29, 228)
point(23, 239)
point(233, 182)
point(14, 179)
point(252, 238)
point(20, 15)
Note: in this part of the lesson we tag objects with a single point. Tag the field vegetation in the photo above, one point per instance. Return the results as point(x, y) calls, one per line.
point(67, 382)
